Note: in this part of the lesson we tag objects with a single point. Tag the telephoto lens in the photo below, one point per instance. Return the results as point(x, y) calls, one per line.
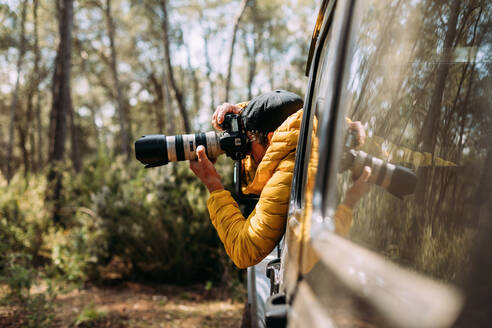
point(398, 180)
point(157, 149)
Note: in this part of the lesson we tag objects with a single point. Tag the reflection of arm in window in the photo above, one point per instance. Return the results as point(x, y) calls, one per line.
point(343, 220)
point(343, 214)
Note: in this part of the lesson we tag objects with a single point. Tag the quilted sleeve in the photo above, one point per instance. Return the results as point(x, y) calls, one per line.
point(248, 241)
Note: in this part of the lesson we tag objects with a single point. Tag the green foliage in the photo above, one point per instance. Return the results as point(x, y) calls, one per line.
point(155, 221)
point(19, 275)
point(238, 290)
point(75, 251)
point(89, 314)
point(23, 218)
point(40, 309)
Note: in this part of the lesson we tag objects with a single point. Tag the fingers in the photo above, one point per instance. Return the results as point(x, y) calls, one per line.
point(201, 154)
point(366, 174)
point(203, 159)
point(201, 165)
point(205, 170)
point(221, 111)
point(359, 128)
point(359, 188)
point(362, 182)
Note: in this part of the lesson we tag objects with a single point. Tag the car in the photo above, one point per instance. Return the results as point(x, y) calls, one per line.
point(417, 74)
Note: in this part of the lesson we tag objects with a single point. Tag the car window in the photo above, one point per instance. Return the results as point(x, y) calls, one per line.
point(318, 101)
point(418, 77)
point(322, 88)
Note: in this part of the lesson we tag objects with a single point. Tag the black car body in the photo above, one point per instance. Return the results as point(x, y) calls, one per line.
point(418, 75)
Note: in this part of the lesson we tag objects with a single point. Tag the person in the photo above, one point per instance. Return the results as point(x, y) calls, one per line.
point(272, 121)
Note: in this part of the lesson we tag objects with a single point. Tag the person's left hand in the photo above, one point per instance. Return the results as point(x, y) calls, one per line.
point(205, 171)
point(360, 187)
point(359, 129)
point(220, 113)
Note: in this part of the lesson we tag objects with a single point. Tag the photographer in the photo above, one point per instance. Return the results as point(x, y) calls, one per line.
point(272, 121)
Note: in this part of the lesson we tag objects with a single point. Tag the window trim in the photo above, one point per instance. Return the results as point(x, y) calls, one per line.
point(298, 179)
point(327, 162)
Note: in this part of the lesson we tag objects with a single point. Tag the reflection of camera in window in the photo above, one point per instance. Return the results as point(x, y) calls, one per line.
point(398, 180)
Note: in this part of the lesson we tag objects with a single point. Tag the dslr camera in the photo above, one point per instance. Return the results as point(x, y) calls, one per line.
point(398, 180)
point(157, 149)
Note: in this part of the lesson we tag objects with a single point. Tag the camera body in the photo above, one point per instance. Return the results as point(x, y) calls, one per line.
point(157, 149)
point(234, 141)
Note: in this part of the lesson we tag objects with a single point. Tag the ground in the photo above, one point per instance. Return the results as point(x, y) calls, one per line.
point(138, 305)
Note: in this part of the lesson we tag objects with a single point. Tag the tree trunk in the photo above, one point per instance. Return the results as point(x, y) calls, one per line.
point(252, 54)
point(61, 82)
point(29, 127)
point(22, 131)
point(169, 69)
point(74, 136)
point(208, 74)
point(159, 102)
point(61, 104)
point(195, 83)
point(252, 69)
point(39, 147)
point(32, 123)
point(237, 19)
point(167, 103)
point(431, 122)
point(120, 102)
point(15, 96)
point(271, 71)
point(374, 61)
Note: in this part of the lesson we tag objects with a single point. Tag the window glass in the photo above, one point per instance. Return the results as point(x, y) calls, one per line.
point(418, 77)
point(322, 86)
point(296, 225)
point(324, 89)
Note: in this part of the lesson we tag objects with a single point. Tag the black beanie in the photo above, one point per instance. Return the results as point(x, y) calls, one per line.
point(268, 111)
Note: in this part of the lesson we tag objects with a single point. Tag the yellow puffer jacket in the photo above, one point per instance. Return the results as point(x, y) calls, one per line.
point(248, 241)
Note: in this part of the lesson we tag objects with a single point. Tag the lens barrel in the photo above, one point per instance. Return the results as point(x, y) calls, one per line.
point(151, 150)
point(158, 149)
point(398, 180)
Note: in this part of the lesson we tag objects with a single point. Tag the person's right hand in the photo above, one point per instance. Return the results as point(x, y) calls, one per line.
point(204, 169)
point(360, 187)
point(221, 111)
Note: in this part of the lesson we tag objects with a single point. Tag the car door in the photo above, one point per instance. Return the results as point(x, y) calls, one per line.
point(418, 76)
point(323, 60)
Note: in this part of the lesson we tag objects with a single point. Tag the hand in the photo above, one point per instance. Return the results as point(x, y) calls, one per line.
point(221, 111)
point(359, 129)
point(205, 171)
point(360, 187)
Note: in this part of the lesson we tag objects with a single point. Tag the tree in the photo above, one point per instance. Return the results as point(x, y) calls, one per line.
point(237, 19)
point(37, 58)
point(433, 117)
point(61, 103)
point(254, 29)
point(120, 101)
point(168, 69)
point(15, 96)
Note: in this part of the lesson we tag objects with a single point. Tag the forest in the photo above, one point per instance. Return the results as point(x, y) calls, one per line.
point(427, 103)
point(80, 81)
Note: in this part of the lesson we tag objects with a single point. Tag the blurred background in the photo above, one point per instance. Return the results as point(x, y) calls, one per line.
point(80, 81)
